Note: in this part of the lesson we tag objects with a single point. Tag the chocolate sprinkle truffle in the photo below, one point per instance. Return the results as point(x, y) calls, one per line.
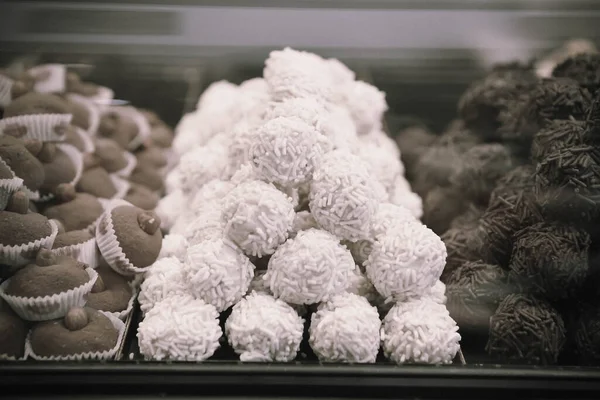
point(525, 329)
point(13, 331)
point(474, 291)
point(440, 207)
point(550, 260)
point(459, 245)
point(557, 98)
point(480, 169)
point(493, 239)
point(587, 335)
point(583, 68)
point(483, 106)
point(413, 141)
point(435, 167)
point(76, 333)
point(556, 135)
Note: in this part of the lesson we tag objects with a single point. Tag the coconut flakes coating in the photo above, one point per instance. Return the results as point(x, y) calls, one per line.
point(170, 207)
point(180, 329)
point(286, 151)
point(309, 268)
point(406, 261)
point(387, 217)
point(264, 329)
point(366, 104)
point(164, 279)
point(420, 331)
point(342, 198)
point(402, 195)
point(258, 217)
point(345, 329)
point(200, 166)
point(290, 73)
point(173, 245)
point(218, 272)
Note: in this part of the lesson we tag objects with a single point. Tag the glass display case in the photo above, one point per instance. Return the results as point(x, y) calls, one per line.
point(383, 199)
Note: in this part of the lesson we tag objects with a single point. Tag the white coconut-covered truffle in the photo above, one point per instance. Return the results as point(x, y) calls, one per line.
point(200, 166)
point(366, 104)
point(420, 331)
point(218, 273)
point(264, 329)
point(386, 218)
point(303, 221)
point(214, 190)
point(258, 217)
point(340, 73)
point(206, 225)
point(382, 166)
point(163, 280)
point(346, 329)
point(180, 328)
point(332, 121)
point(402, 195)
point(309, 268)
point(437, 293)
point(360, 285)
point(342, 197)
point(290, 73)
point(406, 261)
point(243, 136)
point(382, 141)
point(173, 245)
point(173, 180)
point(286, 151)
point(218, 96)
point(170, 207)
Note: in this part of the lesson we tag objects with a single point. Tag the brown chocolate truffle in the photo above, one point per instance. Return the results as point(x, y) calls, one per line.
point(142, 197)
point(110, 155)
point(78, 213)
point(162, 136)
point(35, 280)
point(119, 127)
point(13, 331)
point(54, 338)
point(460, 248)
point(81, 115)
point(20, 229)
point(5, 171)
point(138, 234)
point(151, 157)
point(71, 238)
point(22, 162)
point(74, 139)
point(148, 177)
point(61, 170)
point(36, 103)
point(97, 182)
point(111, 293)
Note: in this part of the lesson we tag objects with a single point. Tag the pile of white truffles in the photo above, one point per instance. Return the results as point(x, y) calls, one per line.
point(289, 197)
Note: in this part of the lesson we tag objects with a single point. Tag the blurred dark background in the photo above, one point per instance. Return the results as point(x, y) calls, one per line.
point(162, 54)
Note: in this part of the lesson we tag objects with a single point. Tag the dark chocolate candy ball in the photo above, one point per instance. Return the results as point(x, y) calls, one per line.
point(583, 68)
point(469, 219)
point(586, 334)
point(558, 134)
point(525, 329)
point(550, 260)
point(440, 207)
point(474, 291)
point(480, 169)
point(485, 102)
point(459, 246)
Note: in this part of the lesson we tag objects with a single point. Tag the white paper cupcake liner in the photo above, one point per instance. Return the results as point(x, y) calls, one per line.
point(109, 244)
point(121, 185)
point(39, 126)
point(17, 255)
point(93, 111)
point(77, 158)
point(86, 252)
point(33, 196)
point(7, 188)
point(97, 355)
point(88, 143)
point(49, 307)
point(131, 164)
point(6, 85)
point(56, 80)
